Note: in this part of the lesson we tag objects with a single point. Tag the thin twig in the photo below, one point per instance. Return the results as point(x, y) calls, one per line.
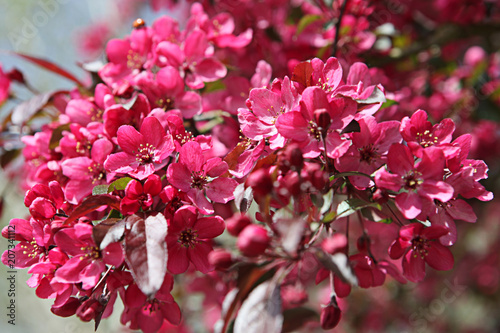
point(337, 28)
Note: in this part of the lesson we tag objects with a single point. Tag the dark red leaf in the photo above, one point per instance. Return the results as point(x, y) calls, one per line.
point(146, 252)
point(23, 112)
point(57, 135)
point(50, 66)
point(91, 204)
point(302, 73)
point(105, 227)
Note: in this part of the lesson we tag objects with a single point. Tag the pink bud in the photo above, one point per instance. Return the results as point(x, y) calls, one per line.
point(330, 317)
point(236, 223)
point(220, 259)
point(253, 240)
point(260, 181)
point(474, 56)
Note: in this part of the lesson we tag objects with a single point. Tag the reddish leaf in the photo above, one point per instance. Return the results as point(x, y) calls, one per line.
point(146, 252)
point(50, 66)
point(57, 135)
point(248, 275)
point(302, 73)
point(92, 203)
point(338, 264)
point(232, 157)
point(8, 156)
point(105, 227)
point(261, 311)
point(23, 112)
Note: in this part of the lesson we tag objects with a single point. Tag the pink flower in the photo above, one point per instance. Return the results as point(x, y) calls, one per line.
point(87, 262)
point(423, 181)
point(127, 58)
point(188, 240)
point(86, 173)
point(316, 127)
point(369, 148)
point(138, 196)
point(266, 105)
point(143, 152)
point(194, 59)
point(418, 245)
point(149, 314)
point(4, 86)
point(166, 90)
point(197, 177)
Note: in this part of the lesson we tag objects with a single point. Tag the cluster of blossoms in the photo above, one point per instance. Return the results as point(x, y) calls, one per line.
point(136, 179)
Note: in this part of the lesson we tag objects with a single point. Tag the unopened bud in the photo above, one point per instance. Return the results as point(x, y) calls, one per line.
point(323, 119)
point(330, 317)
point(236, 223)
point(260, 181)
point(220, 259)
point(363, 243)
point(253, 240)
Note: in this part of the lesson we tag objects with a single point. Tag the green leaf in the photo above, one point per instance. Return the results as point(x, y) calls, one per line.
point(214, 86)
point(350, 206)
point(119, 184)
point(349, 173)
point(306, 21)
point(388, 103)
point(100, 189)
point(370, 215)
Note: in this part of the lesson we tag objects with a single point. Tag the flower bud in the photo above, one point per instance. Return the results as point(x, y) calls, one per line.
point(16, 75)
point(260, 181)
point(323, 120)
point(330, 317)
point(236, 223)
point(253, 240)
point(89, 309)
point(363, 243)
point(220, 259)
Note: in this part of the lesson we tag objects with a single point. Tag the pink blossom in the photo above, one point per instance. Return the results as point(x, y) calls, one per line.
point(188, 240)
point(419, 245)
point(86, 173)
point(316, 127)
point(143, 152)
point(421, 181)
point(197, 177)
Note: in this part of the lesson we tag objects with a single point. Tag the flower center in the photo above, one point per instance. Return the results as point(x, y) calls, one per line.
point(92, 252)
point(96, 172)
point(145, 153)
point(412, 180)
point(32, 250)
point(368, 153)
point(134, 60)
point(314, 131)
point(188, 238)
point(420, 247)
point(426, 138)
point(198, 180)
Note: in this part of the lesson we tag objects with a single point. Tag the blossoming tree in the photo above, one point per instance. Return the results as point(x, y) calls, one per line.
point(275, 156)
